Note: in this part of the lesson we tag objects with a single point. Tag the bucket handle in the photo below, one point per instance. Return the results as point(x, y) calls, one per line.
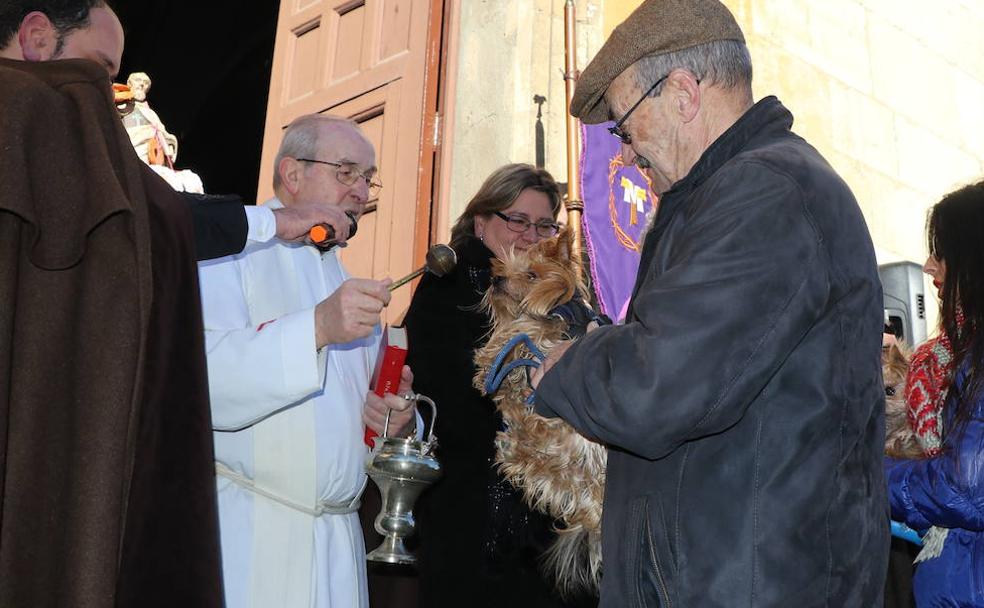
point(416, 397)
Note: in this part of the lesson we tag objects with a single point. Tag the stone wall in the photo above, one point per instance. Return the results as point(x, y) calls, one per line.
point(509, 51)
point(890, 91)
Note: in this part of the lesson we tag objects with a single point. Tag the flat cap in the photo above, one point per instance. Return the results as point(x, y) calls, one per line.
point(655, 28)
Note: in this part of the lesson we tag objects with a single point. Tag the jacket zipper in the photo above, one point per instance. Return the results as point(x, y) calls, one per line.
point(655, 564)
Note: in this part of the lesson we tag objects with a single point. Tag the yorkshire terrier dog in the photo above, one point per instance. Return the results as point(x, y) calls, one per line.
point(900, 440)
point(559, 471)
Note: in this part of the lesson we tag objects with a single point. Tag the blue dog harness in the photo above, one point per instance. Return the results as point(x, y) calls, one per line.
point(575, 314)
point(498, 372)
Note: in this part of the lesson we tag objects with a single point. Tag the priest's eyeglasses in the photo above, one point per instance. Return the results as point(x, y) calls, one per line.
point(518, 223)
point(617, 130)
point(347, 174)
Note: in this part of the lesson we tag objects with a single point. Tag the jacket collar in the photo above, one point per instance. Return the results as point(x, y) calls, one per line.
point(762, 120)
point(476, 259)
point(765, 118)
point(473, 252)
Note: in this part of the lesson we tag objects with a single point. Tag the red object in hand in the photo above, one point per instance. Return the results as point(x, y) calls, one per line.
point(389, 368)
point(321, 233)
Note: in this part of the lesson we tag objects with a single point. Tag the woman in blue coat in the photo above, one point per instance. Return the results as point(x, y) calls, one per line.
point(947, 491)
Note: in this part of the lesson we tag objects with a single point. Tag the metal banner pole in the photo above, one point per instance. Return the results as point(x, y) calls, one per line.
point(574, 203)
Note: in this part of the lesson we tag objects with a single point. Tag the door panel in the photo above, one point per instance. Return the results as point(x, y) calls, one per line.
point(305, 43)
point(394, 32)
point(347, 51)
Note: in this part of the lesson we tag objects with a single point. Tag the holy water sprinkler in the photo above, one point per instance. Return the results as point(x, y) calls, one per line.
point(441, 260)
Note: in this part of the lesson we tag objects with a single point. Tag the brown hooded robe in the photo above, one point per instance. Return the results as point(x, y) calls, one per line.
point(107, 492)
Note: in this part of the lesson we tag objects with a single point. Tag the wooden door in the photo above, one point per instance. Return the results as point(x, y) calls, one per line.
point(372, 61)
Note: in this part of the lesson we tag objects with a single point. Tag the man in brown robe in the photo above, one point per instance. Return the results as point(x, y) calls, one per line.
point(107, 492)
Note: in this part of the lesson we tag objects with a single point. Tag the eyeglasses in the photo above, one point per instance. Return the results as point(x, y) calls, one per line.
point(616, 130)
point(346, 174)
point(518, 223)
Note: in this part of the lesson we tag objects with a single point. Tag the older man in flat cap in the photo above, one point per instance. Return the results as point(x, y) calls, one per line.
point(741, 399)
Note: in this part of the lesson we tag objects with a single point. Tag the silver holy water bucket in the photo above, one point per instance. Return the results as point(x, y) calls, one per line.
point(401, 468)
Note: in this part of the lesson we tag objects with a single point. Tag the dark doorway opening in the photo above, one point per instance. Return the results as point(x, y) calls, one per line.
point(210, 66)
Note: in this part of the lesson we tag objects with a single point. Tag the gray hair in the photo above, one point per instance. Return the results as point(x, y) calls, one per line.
point(725, 63)
point(301, 138)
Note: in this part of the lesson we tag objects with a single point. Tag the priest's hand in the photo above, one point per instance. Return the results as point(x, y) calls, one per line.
point(351, 312)
point(402, 416)
point(293, 223)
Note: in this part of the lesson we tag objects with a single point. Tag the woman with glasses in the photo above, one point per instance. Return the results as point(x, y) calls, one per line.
point(479, 543)
point(945, 490)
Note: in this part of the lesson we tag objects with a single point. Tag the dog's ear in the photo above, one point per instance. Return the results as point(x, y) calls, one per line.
point(564, 239)
point(565, 245)
point(897, 354)
point(498, 267)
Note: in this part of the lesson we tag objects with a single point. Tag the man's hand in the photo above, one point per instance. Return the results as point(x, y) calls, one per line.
point(351, 312)
point(293, 223)
point(555, 355)
point(552, 359)
point(374, 412)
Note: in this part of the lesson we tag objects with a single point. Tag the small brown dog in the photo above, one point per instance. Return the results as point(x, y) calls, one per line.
point(900, 440)
point(560, 472)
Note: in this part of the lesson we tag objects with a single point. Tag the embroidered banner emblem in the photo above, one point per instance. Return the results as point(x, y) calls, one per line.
point(618, 200)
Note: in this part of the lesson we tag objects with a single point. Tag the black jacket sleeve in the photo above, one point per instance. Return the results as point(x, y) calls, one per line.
point(745, 281)
point(220, 224)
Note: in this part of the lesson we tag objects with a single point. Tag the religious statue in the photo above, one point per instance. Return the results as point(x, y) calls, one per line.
point(151, 140)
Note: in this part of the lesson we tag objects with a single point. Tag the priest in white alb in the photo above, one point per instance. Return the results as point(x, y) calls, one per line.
point(291, 343)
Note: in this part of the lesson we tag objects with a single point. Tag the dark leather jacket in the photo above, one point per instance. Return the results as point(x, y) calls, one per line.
point(742, 398)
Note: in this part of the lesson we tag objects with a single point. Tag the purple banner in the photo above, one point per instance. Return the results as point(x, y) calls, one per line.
point(618, 201)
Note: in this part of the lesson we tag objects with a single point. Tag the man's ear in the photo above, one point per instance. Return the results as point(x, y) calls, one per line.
point(686, 94)
point(290, 170)
point(37, 37)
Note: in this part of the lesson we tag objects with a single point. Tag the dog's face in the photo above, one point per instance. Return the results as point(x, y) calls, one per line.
point(533, 283)
point(895, 366)
point(900, 441)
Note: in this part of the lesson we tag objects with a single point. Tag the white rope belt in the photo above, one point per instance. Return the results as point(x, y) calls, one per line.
point(318, 510)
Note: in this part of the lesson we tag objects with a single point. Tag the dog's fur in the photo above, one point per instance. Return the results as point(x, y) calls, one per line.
point(900, 440)
point(560, 472)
